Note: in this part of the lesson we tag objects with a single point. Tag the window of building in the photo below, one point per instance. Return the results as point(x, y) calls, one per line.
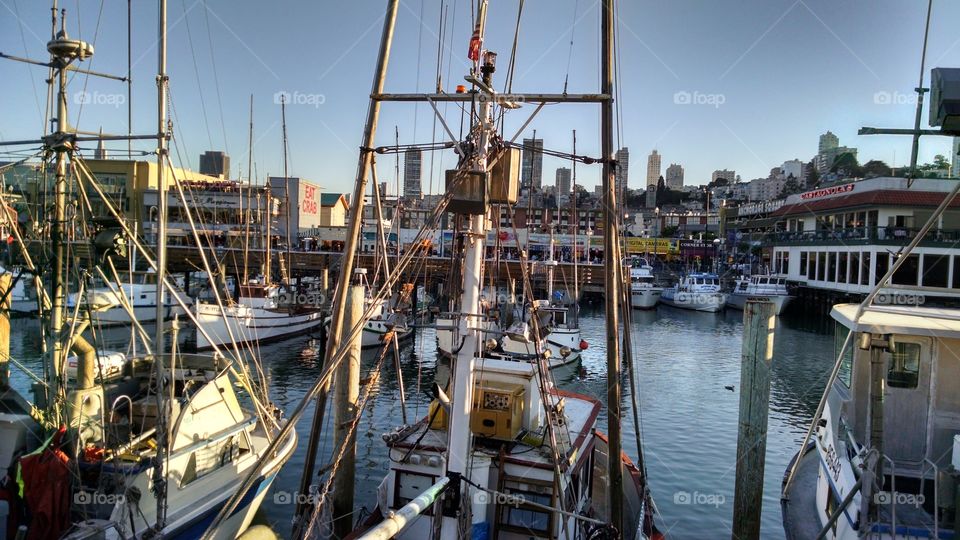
point(832, 266)
point(803, 263)
point(865, 269)
point(812, 266)
point(908, 272)
point(883, 264)
point(904, 366)
point(855, 267)
point(822, 266)
point(842, 268)
point(935, 270)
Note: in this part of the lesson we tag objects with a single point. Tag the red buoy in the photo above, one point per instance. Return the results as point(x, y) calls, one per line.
point(584, 345)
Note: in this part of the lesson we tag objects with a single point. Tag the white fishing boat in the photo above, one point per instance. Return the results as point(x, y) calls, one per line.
point(110, 447)
point(883, 455)
point(644, 292)
point(260, 316)
point(502, 452)
point(558, 337)
point(23, 295)
point(697, 291)
point(112, 305)
point(760, 287)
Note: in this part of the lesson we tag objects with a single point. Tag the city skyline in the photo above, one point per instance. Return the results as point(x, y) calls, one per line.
point(703, 117)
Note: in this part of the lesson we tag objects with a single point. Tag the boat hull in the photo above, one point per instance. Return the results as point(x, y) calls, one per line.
point(245, 324)
point(709, 302)
point(738, 301)
point(645, 298)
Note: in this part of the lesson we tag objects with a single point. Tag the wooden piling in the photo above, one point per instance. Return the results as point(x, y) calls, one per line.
point(346, 394)
point(755, 370)
point(6, 280)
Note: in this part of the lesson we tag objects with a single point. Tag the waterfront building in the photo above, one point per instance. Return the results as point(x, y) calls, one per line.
point(843, 238)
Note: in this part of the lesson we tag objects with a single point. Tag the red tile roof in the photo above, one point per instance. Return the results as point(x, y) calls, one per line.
point(880, 197)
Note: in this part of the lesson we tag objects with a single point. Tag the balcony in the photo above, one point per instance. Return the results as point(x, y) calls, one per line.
point(862, 236)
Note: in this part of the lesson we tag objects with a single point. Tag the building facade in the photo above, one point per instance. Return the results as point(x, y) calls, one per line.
point(653, 168)
point(622, 174)
point(214, 163)
point(563, 183)
point(412, 180)
point(531, 170)
point(674, 177)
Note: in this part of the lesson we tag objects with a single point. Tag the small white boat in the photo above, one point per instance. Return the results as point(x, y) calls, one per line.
point(109, 304)
point(698, 292)
point(768, 288)
point(259, 317)
point(644, 292)
point(561, 339)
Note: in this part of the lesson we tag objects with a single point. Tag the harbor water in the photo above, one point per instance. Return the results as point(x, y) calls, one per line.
point(688, 369)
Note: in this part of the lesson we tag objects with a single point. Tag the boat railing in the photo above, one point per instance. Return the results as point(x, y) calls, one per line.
point(886, 234)
point(936, 491)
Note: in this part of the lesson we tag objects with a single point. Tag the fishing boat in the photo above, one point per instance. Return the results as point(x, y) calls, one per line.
point(760, 287)
point(253, 320)
point(557, 334)
point(23, 295)
point(696, 291)
point(502, 452)
point(112, 447)
point(644, 292)
point(882, 456)
point(121, 303)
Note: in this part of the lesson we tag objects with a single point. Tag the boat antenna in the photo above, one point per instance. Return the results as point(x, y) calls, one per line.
point(244, 217)
point(286, 180)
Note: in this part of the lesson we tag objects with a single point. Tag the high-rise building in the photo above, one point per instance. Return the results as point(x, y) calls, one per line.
point(793, 168)
point(563, 181)
point(674, 178)
point(215, 164)
point(730, 176)
point(653, 168)
point(622, 174)
point(828, 141)
point(955, 159)
point(412, 186)
point(531, 171)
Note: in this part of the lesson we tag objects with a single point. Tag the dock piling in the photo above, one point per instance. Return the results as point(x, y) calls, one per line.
point(346, 394)
point(755, 370)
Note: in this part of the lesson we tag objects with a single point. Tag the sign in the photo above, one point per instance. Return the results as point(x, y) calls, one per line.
point(309, 199)
point(825, 192)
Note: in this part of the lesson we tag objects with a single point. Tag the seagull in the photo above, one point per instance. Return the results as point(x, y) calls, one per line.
point(729, 387)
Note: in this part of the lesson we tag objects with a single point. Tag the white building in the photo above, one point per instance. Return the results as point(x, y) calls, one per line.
point(653, 168)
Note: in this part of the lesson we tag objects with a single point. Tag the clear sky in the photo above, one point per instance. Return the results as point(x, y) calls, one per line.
point(764, 78)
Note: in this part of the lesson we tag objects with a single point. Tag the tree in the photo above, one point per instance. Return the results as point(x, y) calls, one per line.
point(813, 176)
point(847, 166)
point(940, 162)
point(790, 187)
point(875, 167)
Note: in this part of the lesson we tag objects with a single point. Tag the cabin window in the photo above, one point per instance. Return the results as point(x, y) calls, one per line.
point(904, 366)
point(842, 268)
point(935, 270)
point(865, 269)
point(832, 267)
point(409, 486)
point(846, 364)
point(908, 271)
point(525, 518)
point(855, 267)
point(803, 263)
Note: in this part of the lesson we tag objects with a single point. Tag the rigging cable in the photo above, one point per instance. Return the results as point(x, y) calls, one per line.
point(196, 72)
point(216, 80)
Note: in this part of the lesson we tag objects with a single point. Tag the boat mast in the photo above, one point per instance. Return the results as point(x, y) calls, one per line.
point(350, 247)
point(575, 219)
point(245, 216)
point(611, 260)
point(286, 180)
point(57, 237)
point(161, 176)
point(459, 435)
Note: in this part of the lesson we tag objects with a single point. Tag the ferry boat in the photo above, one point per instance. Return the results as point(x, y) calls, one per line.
point(760, 287)
point(697, 291)
point(644, 292)
point(883, 457)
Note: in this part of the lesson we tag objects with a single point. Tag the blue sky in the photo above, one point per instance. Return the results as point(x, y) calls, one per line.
point(764, 77)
